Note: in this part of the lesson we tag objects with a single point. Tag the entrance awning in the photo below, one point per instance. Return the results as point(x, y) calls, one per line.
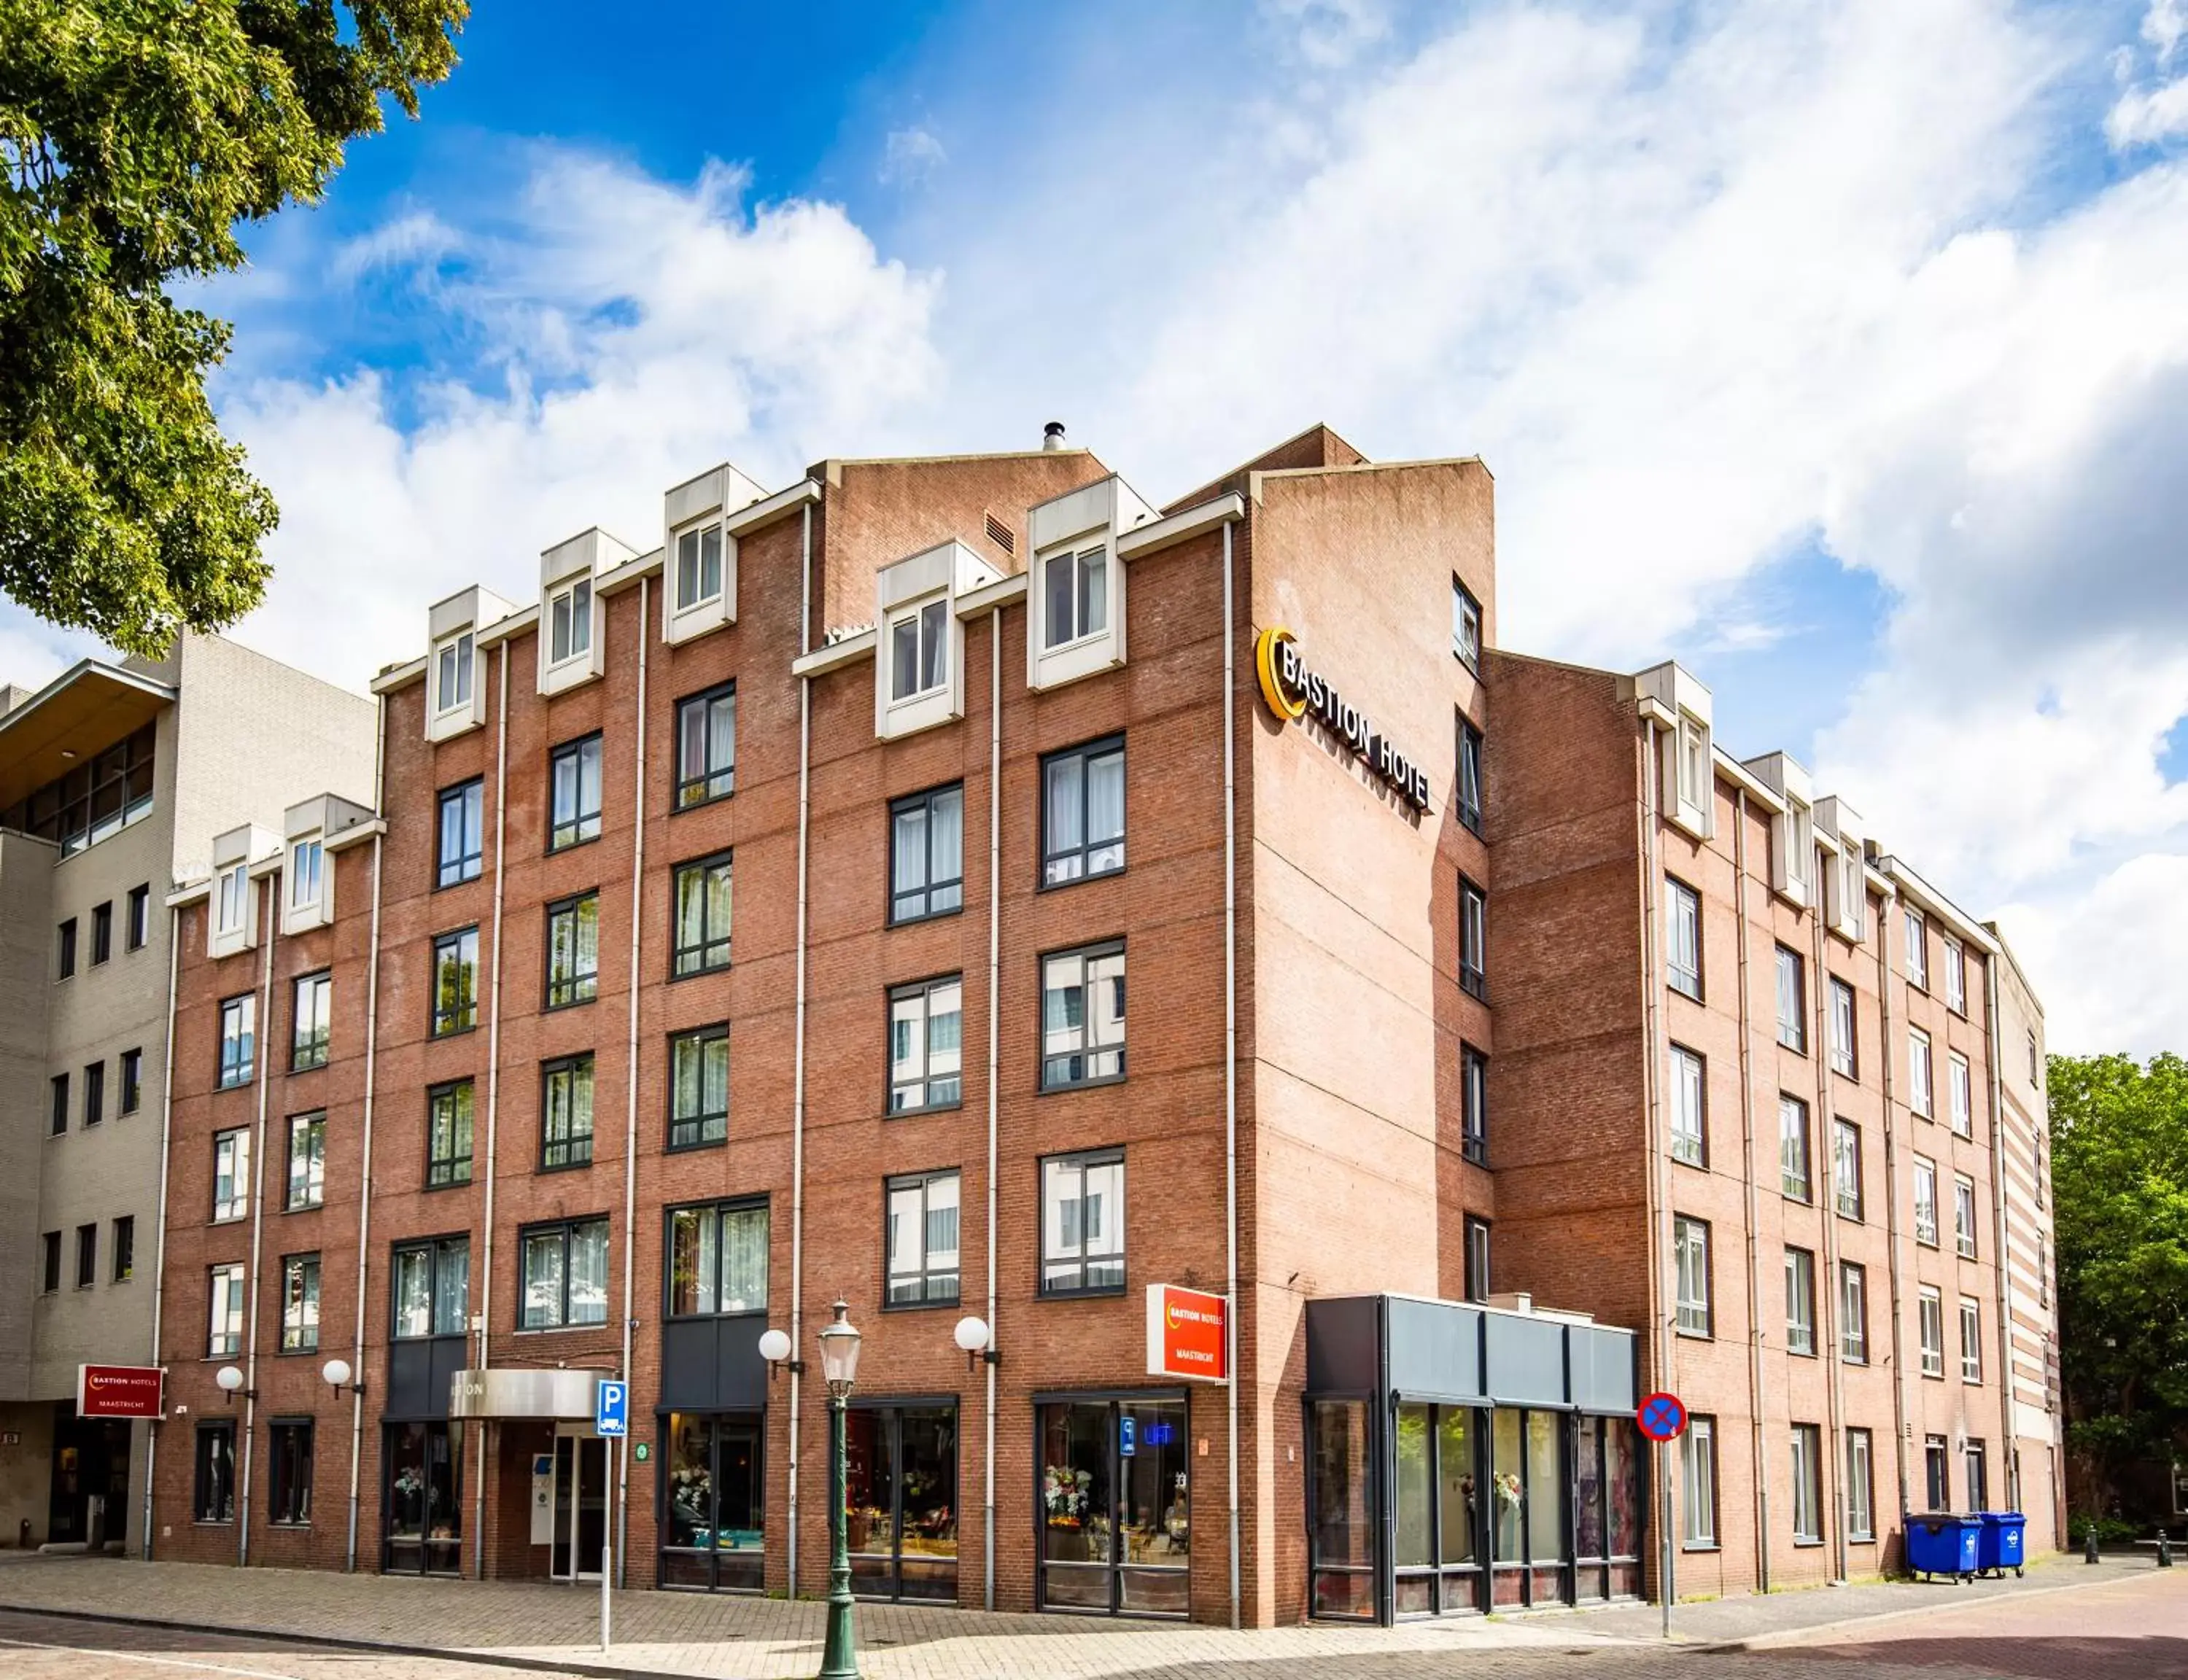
point(502, 1392)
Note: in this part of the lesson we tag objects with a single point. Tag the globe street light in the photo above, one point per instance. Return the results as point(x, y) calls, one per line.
point(839, 1368)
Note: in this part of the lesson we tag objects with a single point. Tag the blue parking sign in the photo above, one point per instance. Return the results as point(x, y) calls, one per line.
point(1128, 1436)
point(612, 1408)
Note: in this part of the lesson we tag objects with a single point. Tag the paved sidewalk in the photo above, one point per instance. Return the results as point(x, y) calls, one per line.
point(683, 1634)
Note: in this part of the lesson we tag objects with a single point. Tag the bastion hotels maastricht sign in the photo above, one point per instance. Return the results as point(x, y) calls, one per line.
point(1293, 689)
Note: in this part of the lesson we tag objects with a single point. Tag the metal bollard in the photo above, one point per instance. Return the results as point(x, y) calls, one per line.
point(2089, 1545)
point(2164, 1551)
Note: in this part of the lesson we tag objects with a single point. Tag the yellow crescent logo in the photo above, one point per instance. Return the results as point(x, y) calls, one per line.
point(1169, 1312)
point(1268, 652)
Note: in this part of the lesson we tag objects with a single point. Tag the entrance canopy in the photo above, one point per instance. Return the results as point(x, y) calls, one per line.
point(1410, 1348)
point(503, 1393)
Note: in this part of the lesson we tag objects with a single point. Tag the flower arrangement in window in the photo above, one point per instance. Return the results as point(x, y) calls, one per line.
point(1508, 1488)
point(1063, 1490)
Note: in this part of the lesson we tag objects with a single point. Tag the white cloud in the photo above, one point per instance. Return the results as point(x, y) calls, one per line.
point(910, 156)
point(2149, 114)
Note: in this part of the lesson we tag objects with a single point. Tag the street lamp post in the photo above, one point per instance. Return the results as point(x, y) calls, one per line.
point(839, 1367)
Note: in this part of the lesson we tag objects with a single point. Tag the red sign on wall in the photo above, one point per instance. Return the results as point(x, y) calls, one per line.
point(1185, 1334)
point(117, 1390)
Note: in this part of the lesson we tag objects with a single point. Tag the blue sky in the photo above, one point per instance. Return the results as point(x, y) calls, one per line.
point(1837, 347)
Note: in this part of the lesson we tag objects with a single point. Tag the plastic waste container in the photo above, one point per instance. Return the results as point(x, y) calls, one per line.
point(1943, 1542)
point(2000, 1548)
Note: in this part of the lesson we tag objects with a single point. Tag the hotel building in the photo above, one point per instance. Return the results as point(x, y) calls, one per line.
point(746, 924)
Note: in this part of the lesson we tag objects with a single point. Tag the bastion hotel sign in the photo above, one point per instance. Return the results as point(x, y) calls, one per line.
point(1291, 690)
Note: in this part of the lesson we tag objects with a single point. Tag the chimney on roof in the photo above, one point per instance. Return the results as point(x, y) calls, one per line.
point(1051, 436)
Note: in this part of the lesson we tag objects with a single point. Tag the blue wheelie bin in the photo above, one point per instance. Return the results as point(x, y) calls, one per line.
point(1941, 1542)
point(2000, 1548)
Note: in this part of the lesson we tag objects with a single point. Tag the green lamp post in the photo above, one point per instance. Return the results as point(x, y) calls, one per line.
point(839, 1368)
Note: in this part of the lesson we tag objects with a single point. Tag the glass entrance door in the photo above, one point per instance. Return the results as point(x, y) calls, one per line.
point(712, 1499)
point(580, 1501)
point(900, 1506)
point(424, 1503)
point(1116, 1506)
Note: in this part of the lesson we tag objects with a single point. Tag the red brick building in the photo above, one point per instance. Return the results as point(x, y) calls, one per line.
point(746, 924)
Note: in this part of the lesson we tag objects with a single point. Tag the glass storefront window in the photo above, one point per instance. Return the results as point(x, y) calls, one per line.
point(1116, 1512)
point(712, 1496)
point(424, 1504)
point(1343, 1522)
point(901, 1503)
point(1412, 1487)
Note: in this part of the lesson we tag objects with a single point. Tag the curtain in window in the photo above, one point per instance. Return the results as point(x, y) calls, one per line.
point(413, 1293)
point(744, 1261)
point(1105, 801)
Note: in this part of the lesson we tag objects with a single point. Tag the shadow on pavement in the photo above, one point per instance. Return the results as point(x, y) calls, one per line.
point(2065, 1657)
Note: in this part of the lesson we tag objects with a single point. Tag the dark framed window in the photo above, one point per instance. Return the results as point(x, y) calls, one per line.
point(1792, 1000)
point(139, 931)
point(238, 1041)
point(927, 854)
point(927, 1032)
point(566, 1111)
point(574, 951)
point(462, 834)
point(125, 1248)
point(455, 982)
point(429, 1294)
point(102, 932)
point(920, 1213)
point(699, 1087)
point(311, 1021)
point(449, 1134)
point(212, 1491)
point(1936, 1479)
point(307, 1185)
point(1682, 941)
point(289, 1465)
point(95, 1093)
point(59, 1124)
point(1465, 625)
point(1473, 940)
point(1470, 775)
point(565, 1274)
point(706, 746)
point(717, 1259)
point(49, 1270)
point(573, 793)
point(64, 950)
point(132, 1081)
point(1473, 1104)
point(1082, 812)
point(87, 1256)
point(1477, 1259)
point(299, 1303)
point(701, 942)
point(1082, 1015)
point(1082, 1223)
point(94, 800)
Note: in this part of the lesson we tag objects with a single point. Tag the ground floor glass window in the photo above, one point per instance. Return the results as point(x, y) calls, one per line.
point(1115, 1507)
point(714, 1496)
point(1439, 1510)
point(901, 1505)
point(425, 1499)
point(1342, 1520)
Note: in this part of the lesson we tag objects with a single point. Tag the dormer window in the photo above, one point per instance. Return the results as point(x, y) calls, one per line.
point(234, 899)
point(1693, 748)
point(1853, 892)
point(307, 858)
point(698, 565)
point(1466, 626)
point(1078, 585)
point(1800, 830)
point(452, 680)
point(570, 635)
point(919, 650)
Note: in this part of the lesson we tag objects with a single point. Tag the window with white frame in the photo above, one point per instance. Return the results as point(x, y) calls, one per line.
point(1808, 1485)
point(1800, 830)
point(1076, 585)
point(1800, 1301)
point(1843, 1061)
point(1690, 1243)
point(1082, 1016)
point(1860, 1496)
point(1956, 975)
point(1698, 1485)
point(922, 1220)
point(570, 623)
point(1917, 950)
point(1682, 955)
point(1792, 1000)
point(1960, 1087)
point(1926, 1201)
point(1689, 1110)
point(927, 1040)
point(1853, 890)
point(231, 1174)
point(1795, 1176)
point(1931, 1328)
point(1696, 782)
point(1845, 1167)
point(224, 1315)
point(1971, 1340)
point(452, 678)
point(1964, 1215)
point(1853, 1313)
point(1466, 626)
point(1919, 1097)
point(698, 565)
point(307, 859)
point(234, 899)
point(919, 650)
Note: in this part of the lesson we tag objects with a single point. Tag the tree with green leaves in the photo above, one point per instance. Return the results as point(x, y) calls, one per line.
point(138, 136)
point(2119, 1176)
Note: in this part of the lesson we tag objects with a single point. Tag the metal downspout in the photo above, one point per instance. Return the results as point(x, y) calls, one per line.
point(1886, 1062)
point(2001, 1252)
point(1231, 1066)
point(1756, 1424)
point(1661, 1327)
point(259, 1053)
point(994, 1027)
point(364, 1195)
point(160, 1229)
point(630, 1091)
point(798, 1051)
point(1826, 1128)
point(492, 1077)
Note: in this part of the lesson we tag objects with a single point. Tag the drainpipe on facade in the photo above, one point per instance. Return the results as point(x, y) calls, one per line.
point(995, 1029)
point(2001, 1252)
point(1752, 1212)
point(630, 1090)
point(160, 1238)
point(260, 1051)
point(1887, 1060)
point(798, 1050)
point(1659, 1208)
point(1230, 1057)
point(492, 1079)
point(365, 1181)
point(1826, 1128)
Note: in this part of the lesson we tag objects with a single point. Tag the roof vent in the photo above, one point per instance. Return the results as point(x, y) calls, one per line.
point(1051, 436)
point(1000, 534)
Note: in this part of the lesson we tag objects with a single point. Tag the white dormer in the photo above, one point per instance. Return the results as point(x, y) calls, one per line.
point(232, 906)
point(698, 555)
point(573, 618)
point(456, 688)
point(1075, 585)
point(919, 643)
point(1690, 792)
point(1793, 830)
point(1845, 882)
point(308, 873)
